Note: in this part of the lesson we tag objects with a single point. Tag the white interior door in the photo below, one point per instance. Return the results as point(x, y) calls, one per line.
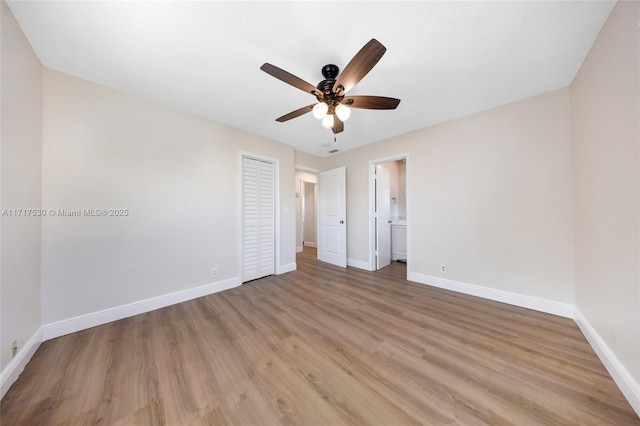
point(258, 219)
point(332, 207)
point(383, 217)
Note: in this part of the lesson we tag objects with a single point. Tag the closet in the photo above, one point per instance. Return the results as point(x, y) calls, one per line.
point(258, 218)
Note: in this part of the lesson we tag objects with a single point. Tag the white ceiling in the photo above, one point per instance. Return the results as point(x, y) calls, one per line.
point(444, 59)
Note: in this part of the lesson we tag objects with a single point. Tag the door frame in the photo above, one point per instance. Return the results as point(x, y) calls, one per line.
point(372, 207)
point(276, 165)
point(303, 208)
point(299, 196)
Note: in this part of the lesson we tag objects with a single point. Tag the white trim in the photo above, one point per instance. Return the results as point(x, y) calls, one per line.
point(628, 385)
point(372, 219)
point(309, 244)
point(299, 249)
point(276, 165)
point(93, 319)
point(283, 269)
point(407, 195)
point(522, 300)
point(307, 169)
point(11, 372)
point(359, 264)
point(239, 212)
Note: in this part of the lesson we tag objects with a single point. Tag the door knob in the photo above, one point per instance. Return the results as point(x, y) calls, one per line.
point(342, 221)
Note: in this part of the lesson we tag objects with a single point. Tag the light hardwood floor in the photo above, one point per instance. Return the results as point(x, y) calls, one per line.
point(322, 346)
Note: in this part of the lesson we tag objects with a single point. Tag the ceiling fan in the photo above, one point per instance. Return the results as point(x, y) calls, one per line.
point(331, 93)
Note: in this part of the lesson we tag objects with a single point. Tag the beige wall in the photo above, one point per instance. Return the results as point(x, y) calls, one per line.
point(20, 166)
point(605, 131)
point(306, 160)
point(178, 176)
point(489, 195)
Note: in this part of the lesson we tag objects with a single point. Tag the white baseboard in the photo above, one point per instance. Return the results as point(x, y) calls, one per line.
point(359, 264)
point(10, 374)
point(283, 269)
point(82, 322)
point(524, 301)
point(299, 249)
point(309, 244)
point(628, 385)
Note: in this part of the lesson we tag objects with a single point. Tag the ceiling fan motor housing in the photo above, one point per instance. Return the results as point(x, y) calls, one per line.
point(329, 72)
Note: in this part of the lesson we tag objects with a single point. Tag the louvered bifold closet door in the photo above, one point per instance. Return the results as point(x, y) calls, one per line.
point(258, 219)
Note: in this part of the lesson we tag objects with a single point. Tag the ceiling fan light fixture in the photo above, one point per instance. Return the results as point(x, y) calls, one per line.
point(343, 112)
point(327, 121)
point(330, 93)
point(320, 110)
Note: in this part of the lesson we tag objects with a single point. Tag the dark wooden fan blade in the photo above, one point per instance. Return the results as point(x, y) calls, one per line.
point(289, 78)
point(338, 125)
point(371, 102)
point(296, 113)
point(360, 65)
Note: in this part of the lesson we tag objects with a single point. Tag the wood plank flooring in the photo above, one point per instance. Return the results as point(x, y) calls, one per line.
point(322, 346)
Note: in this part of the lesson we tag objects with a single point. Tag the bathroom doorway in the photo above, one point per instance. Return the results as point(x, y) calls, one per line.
point(389, 211)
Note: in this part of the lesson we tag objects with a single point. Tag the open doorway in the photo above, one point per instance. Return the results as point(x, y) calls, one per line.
point(308, 192)
point(388, 211)
point(306, 209)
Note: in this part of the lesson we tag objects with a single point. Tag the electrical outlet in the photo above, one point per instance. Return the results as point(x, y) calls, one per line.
point(214, 272)
point(14, 347)
point(443, 269)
